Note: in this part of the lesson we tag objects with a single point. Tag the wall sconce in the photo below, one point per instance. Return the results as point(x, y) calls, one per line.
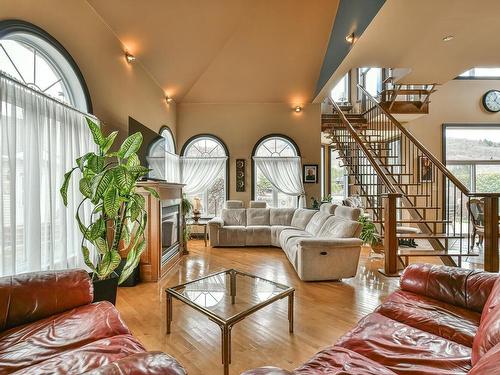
point(298, 108)
point(169, 99)
point(350, 38)
point(129, 57)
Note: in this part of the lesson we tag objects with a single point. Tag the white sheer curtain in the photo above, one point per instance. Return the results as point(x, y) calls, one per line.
point(39, 141)
point(284, 173)
point(172, 167)
point(198, 174)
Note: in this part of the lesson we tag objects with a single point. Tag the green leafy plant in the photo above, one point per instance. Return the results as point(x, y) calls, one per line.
point(315, 203)
point(368, 233)
point(109, 182)
point(327, 198)
point(187, 207)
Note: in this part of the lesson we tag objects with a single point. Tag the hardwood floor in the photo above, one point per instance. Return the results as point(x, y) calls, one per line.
point(323, 311)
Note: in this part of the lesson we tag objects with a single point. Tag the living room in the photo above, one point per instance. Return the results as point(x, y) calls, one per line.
point(249, 187)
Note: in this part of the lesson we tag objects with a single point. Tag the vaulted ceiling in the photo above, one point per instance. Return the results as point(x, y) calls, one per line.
point(226, 50)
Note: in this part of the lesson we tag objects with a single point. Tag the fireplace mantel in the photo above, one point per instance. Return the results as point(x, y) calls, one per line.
point(152, 267)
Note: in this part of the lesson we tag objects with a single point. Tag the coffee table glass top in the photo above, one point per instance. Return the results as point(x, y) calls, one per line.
point(229, 294)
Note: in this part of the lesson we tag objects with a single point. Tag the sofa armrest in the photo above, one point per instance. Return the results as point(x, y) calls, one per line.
point(456, 286)
point(267, 371)
point(316, 243)
point(216, 222)
point(151, 363)
point(33, 296)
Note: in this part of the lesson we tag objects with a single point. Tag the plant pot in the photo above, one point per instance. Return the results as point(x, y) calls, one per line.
point(134, 277)
point(105, 290)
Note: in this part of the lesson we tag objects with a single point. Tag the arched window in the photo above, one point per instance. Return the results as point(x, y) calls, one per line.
point(162, 160)
point(204, 170)
point(263, 190)
point(31, 56)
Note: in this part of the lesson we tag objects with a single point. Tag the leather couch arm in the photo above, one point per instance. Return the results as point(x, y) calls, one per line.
point(324, 243)
point(267, 371)
point(216, 222)
point(456, 286)
point(151, 363)
point(33, 296)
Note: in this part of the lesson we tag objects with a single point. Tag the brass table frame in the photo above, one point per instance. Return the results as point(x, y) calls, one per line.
point(226, 324)
point(203, 224)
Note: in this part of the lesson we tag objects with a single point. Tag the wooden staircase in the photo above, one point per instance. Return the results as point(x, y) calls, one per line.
point(403, 184)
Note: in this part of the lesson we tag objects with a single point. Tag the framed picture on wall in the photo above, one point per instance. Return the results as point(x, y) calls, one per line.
point(424, 169)
point(310, 173)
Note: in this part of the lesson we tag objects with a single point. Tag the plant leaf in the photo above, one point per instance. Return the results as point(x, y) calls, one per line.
point(102, 245)
point(97, 229)
point(96, 132)
point(81, 160)
point(130, 145)
point(108, 142)
point(86, 258)
point(85, 188)
point(139, 170)
point(96, 163)
point(112, 202)
point(126, 234)
point(64, 187)
point(108, 264)
point(123, 179)
point(133, 160)
point(133, 258)
point(100, 184)
point(152, 191)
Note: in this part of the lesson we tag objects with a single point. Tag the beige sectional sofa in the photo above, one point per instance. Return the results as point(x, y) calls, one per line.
point(321, 245)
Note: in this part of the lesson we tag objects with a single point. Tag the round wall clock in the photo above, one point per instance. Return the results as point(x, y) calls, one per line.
point(491, 101)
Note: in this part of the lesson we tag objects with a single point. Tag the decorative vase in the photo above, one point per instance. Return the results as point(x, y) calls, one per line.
point(196, 215)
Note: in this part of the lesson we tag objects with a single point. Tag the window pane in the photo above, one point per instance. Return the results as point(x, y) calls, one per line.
point(263, 189)
point(472, 143)
point(340, 92)
point(463, 172)
point(338, 179)
point(481, 72)
point(488, 178)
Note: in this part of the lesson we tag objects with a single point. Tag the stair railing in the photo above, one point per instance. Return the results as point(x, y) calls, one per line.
point(434, 198)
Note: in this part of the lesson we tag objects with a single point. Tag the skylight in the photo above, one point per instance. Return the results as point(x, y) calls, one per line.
point(481, 73)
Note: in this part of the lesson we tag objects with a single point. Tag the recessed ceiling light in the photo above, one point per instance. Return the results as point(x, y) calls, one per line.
point(298, 108)
point(129, 57)
point(447, 38)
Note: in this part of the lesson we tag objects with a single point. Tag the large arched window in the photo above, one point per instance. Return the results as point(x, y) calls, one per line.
point(204, 171)
point(162, 160)
point(31, 56)
point(276, 146)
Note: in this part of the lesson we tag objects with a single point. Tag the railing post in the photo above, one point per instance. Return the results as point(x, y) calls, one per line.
point(491, 233)
point(390, 236)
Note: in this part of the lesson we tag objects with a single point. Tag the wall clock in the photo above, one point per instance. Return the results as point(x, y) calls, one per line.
point(491, 101)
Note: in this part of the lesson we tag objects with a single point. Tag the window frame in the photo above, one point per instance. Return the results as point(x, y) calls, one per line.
point(254, 151)
point(349, 94)
point(10, 26)
point(212, 137)
point(476, 78)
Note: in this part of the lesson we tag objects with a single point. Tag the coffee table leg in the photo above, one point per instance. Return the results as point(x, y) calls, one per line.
point(226, 348)
point(232, 286)
point(169, 311)
point(290, 312)
point(206, 235)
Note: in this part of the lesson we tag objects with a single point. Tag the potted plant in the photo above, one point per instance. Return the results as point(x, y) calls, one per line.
point(108, 183)
point(187, 207)
point(369, 234)
point(315, 203)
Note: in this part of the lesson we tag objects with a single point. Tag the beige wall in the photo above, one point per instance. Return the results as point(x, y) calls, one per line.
point(458, 101)
point(117, 89)
point(240, 126)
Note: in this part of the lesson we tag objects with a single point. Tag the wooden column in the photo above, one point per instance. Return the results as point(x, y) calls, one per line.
point(390, 237)
point(491, 233)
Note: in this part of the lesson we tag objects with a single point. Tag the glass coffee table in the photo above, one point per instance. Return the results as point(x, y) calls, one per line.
point(228, 297)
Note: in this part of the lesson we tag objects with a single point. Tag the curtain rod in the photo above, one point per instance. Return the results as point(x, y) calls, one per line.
point(8, 77)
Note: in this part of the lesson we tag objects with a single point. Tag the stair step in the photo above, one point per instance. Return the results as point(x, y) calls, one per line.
point(442, 236)
point(433, 253)
point(423, 221)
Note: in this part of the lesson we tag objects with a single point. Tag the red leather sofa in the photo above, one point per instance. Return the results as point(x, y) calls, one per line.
point(442, 320)
point(49, 325)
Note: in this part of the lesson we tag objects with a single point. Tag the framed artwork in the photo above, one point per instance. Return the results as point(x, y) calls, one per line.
point(424, 169)
point(310, 173)
point(240, 175)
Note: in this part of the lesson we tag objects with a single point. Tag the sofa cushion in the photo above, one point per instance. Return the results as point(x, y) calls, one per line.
point(340, 361)
point(276, 231)
point(317, 222)
point(348, 212)
point(233, 204)
point(89, 356)
point(404, 349)
point(257, 204)
point(488, 364)
point(328, 208)
point(301, 217)
point(339, 227)
point(44, 339)
point(234, 235)
point(258, 235)
point(430, 315)
point(258, 216)
point(234, 216)
point(281, 216)
point(286, 234)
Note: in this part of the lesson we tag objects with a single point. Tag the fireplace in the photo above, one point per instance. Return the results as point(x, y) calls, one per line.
point(170, 230)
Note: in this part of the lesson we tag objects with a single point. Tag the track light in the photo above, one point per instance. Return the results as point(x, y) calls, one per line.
point(169, 99)
point(350, 38)
point(129, 57)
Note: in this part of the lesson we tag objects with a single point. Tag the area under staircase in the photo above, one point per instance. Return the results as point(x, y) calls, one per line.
point(404, 185)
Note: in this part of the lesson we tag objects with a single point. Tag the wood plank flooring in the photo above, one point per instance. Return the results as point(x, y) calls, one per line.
point(323, 311)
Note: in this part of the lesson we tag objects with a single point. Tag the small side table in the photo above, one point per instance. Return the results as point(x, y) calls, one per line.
point(200, 223)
